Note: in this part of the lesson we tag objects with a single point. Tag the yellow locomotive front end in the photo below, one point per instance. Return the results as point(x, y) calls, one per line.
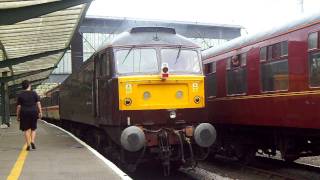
point(151, 92)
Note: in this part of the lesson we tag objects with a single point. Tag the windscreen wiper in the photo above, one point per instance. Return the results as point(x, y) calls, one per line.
point(178, 55)
point(125, 58)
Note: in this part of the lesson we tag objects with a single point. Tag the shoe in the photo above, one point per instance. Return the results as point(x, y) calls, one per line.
point(28, 148)
point(33, 146)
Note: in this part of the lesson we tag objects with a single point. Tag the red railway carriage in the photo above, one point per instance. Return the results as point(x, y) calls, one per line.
point(263, 91)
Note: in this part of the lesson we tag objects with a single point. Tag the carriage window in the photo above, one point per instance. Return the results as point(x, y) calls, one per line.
point(284, 48)
point(314, 69)
point(228, 63)
point(181, 60)
point(211, 84)
point(136, 60)
point(313, 40)
point(243, 59)
point(263, 54)
point(269, 56)
point(211, 67)
point(237, 75)
point(274, 75)
point(274, 51)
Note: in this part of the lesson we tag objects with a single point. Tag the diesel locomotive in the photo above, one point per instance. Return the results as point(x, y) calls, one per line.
point(139, 98)
point(263, 92)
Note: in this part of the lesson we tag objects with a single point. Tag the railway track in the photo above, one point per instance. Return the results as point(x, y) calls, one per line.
point(154, 172)
point(261, 168)
point(222, 168)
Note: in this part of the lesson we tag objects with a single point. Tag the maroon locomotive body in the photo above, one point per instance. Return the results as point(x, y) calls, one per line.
point(139, 98)
point(263, 91)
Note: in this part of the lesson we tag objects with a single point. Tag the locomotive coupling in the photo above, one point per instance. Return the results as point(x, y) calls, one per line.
point(205, 135)
point(132, 139)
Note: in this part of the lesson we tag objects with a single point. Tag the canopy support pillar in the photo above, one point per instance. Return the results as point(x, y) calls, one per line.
point(5, 115)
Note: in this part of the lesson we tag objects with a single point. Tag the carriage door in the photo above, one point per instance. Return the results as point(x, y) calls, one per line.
point(103, 109)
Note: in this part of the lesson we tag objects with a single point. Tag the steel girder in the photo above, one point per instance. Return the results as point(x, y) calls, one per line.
point(3, 49)
point(15, 61)
point(16, 87)
point(18, 76)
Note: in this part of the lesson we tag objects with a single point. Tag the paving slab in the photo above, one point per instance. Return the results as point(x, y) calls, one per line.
point(58, 156)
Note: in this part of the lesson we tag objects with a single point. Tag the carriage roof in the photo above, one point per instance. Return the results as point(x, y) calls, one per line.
point(251, 39)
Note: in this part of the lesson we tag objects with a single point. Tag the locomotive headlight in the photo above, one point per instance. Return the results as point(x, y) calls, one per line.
point(127, 101)
point(173, 114)
point(146, 95)
point(197, 99)
point(165, 69)
point(179, 94)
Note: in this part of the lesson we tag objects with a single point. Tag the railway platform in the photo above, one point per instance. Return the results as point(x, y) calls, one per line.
point(59, 155)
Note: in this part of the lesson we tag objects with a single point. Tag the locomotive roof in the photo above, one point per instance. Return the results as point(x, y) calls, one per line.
point(251, 39)
point(161, 36)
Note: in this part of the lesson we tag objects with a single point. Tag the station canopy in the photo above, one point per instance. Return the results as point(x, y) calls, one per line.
point(34, 35)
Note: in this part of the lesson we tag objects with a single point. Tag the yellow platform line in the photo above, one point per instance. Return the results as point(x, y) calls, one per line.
point(17, 168)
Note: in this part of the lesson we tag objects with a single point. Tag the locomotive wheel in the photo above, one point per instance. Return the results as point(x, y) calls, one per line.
point(290, 157)
point(175, 165)
point(246, 155)
point(288, 149)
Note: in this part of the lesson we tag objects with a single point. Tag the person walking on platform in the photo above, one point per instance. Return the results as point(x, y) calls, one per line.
point(28, 112)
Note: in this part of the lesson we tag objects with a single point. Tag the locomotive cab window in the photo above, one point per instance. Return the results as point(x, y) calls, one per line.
point(237, 74)
point(314, 60)
point(181, 60)
point(105, 64)
point(274, 71)
point(211, 80)
point(136, 61)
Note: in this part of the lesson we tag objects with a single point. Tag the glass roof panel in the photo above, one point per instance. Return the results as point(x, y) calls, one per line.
point(40, 35)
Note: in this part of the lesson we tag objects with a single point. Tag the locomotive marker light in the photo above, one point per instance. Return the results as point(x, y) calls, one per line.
point(205, 135)
point(195, 87)
point(164, 71)
point(127, 101)
point(128, 89)
point(146, 95)
point(179, 94)
point(132, 139)
point(197, 99)
point(172, 114)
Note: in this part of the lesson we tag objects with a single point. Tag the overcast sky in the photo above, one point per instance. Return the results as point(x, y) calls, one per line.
point(254, 15)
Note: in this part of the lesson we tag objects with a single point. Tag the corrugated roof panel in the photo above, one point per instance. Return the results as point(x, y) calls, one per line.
point(39, 25)
point(39, 43)
point(40, 63)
